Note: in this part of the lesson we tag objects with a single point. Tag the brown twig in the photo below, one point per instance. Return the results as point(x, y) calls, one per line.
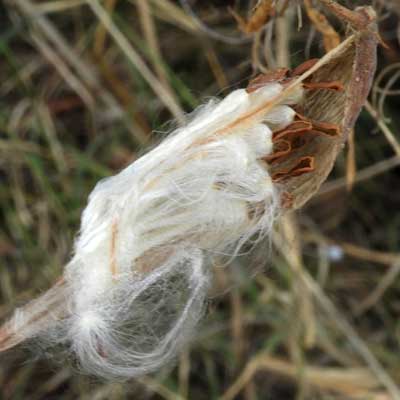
point(330, 36)
point(258, 18)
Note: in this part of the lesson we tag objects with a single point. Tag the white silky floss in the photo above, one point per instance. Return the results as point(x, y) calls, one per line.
point(140, 273)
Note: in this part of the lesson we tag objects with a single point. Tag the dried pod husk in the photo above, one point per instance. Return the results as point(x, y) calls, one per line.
point(354, 67)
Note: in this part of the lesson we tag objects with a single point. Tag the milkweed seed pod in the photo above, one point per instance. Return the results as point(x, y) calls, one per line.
point(327, 115)
point(136, 286)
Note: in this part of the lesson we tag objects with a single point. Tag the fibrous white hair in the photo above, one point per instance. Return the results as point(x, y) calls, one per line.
point(138, 280)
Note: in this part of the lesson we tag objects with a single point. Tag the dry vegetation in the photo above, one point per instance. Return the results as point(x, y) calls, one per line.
point(81, 94)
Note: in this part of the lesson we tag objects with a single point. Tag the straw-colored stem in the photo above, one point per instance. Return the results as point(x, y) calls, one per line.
point(137, 61)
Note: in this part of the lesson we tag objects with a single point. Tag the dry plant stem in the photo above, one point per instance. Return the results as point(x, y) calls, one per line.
point(352, 250)
point(384, 283)
point(262, 12)
point(384, 128)
point(53, 35)
point(342, 324)
point(184, 374)
point(170, 12)
point(393, 71)
point(385, 91)
point(137, 61)
point(350, 382)
point(237, 325)
point(204, 28)
point(127, 99)
point(255, 57)
point(8, 146)
point(358, 344)
point(105, 392)
point(321, 23)
point(331, 39)
point(154, 386)
point(267, 51)
point(304, 329)
point(150, 34)
point(49, 128)
point(55, 306)
point(65, 72)
point(26, 73)
point(216, 67)
point(362, 175)
point(101, 32)
point(67, 55)
point(58, 6)
point(362, 253)
point(291, 234)
point(282, 33)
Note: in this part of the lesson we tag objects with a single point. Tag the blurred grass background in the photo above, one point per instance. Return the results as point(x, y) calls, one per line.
point(86, 86)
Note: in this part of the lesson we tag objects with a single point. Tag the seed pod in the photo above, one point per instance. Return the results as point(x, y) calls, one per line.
point(135, 288)
point(354, 68)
